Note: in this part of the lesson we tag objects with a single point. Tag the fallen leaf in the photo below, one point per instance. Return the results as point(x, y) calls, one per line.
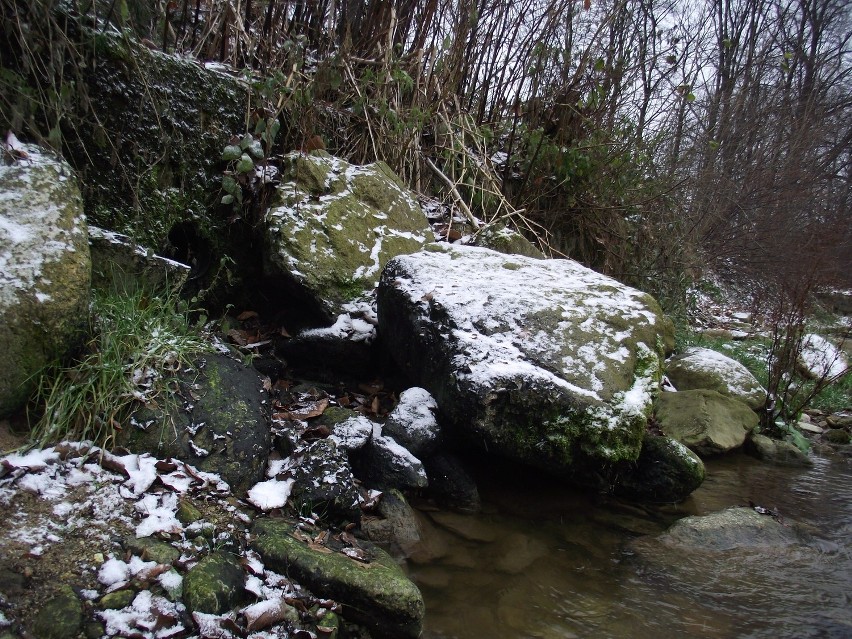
point(246, 315)
point(241, 338)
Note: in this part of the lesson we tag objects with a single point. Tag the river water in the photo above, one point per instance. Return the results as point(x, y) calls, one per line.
point(547, 562)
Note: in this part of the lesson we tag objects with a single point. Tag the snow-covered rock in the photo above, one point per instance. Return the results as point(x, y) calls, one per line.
point(705, 368)
point(45, 269)
point(819, 358)
point(385, 464)
point(412, 422)
point(541, 361)
point(324, 483)
point(335, 225)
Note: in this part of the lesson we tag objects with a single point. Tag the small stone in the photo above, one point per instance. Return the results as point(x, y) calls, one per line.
point(809, 427)
point(187, 513)
point(94, 630)
point(151, 549)
point(328, 626)
point(117, 600)
point(775, 451)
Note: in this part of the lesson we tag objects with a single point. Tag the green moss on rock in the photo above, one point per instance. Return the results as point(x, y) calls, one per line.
point(376, 594)
point(60, 618)
point(214, 585)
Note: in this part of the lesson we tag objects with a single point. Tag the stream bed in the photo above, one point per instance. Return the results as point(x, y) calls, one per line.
point(544, 561)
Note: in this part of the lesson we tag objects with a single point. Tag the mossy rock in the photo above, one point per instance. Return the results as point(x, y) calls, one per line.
point(152, 549)
point(45, 271)
point(223, 428)
point(61, 617)
point(837, 436)
point(706, 421)
point(117, 600)
point(149, 152)
point(376, 594)
point(334, 226)
point(214, 585)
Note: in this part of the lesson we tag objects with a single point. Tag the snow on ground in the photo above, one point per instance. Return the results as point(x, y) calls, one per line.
point(94, 497)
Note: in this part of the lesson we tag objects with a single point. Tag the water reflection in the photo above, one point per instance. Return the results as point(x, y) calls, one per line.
point(547, 562)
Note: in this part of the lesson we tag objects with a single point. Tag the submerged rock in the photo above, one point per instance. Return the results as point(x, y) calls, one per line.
point(451, 485)
point(541, 361)
point(220, 426)
point(45, 270)
point(730, 529)
point(335, 225)
point(376, 594)
point(397, 525)
point(706, 421)
point(666, 471)
point(699, 368)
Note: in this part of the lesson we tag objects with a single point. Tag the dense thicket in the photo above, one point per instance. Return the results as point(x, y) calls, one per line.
point(648, 138)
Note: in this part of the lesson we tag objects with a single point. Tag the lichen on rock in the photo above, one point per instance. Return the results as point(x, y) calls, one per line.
point(335, 225)
point(44, 270)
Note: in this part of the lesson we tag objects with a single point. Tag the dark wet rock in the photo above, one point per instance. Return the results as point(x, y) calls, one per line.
point(706, 421)
point(118, 262)
point(376, 594)
point(412, 422)
point(60, 618)
point(703, 368)
point(326, 356)
point(540, 361)
point(837, 436)
point(221, 426)
point(775, 451)
point(324, 484)
point(214, 585)
point(45, 271)
point(451, 485)
point(666, 471)
point(335, 225)
point(397, 525)
point(117, 600)
point(383, 463)
point(152, 549)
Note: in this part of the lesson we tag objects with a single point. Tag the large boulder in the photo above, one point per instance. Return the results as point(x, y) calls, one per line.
point(542, 361)
point(220, 425)
point(705, 368)
point(706, 421)
point(45, 270)
point(375, 592)
point(334, 226)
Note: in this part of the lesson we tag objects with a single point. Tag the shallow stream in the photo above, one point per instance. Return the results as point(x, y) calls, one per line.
point(543, 561)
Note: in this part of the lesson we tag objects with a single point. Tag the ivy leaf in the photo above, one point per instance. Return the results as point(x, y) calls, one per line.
point(231, 152)
point(246, 164)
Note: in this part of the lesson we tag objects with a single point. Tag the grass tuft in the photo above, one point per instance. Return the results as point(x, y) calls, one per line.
point(139, 342)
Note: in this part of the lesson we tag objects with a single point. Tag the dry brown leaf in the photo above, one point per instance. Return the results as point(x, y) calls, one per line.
point(246, 315)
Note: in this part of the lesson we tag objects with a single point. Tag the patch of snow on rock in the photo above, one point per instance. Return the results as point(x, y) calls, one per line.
point(270, 494)
point(821, 358)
